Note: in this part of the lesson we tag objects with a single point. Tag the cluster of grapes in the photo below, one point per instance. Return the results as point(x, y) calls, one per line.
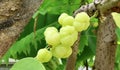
point(62, 40)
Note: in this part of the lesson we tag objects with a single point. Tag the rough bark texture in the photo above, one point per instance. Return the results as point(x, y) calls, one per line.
point(106, 44)
point(106, 37)
point(14, 16)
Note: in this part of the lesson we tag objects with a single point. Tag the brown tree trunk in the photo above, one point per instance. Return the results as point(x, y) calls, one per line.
point(106, 44)
point(14, 16)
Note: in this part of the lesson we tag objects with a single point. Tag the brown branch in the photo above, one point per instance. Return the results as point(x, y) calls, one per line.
point(18, 12)
point(71, 61)
point(89, 8)
point(105, 5)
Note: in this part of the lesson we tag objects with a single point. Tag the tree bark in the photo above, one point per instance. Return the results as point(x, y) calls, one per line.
point(106, 37)
point(14, 16)
point(106, 44)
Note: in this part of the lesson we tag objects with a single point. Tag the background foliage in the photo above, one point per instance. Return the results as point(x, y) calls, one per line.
point(32, 38)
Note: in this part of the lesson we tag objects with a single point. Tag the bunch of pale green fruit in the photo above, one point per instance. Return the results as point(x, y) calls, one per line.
point(62, 40)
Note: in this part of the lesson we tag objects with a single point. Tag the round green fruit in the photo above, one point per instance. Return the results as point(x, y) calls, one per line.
point(44, 55)
point(50, 30)
point(67, 30)
point(62, 17)
point(95, 24)
point(52, 36)
point(69, 40)
point(68, 53)
point(68, 21)
point(61, 51)
point(79, 26)
point(82, 17)
point(53, 39)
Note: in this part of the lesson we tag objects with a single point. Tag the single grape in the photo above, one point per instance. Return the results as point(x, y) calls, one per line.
point(82, 17)
point(61, 51)
point(68, 21)
point(44, 55)
point(53, 39)
point(62, 17)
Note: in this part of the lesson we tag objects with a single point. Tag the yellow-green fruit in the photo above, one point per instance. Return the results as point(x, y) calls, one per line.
point(69, 40)
point(52, 36)
point(44, 55)
point(68, 21)
point(86, 25)
point(62, 17)
point(79, 26)
point(118, 42)
point(50, 30)
point(95, 24)
point(68, 53)
point(61, 51)
point(82, 17)
point(53, 39)
point(67, 30)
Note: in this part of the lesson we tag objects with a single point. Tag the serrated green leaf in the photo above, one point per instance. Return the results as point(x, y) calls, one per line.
point(83, 43)
point(87, 53)
point(28, 64)
point(92, 43)
point(59, 6)
point(116, 17)
point(23, 45)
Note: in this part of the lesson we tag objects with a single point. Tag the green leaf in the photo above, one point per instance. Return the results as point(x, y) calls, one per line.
point(59, 6)
point(60, 67)
point(92, 43)
point(117, 31)
point(83, 43)
point(24, 45)
point(86, 54)
point(116, 17)
point(118, 46)
point(28, 64)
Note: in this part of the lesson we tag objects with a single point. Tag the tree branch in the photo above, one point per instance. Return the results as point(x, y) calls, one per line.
point(71, 61)
point(89, 8)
